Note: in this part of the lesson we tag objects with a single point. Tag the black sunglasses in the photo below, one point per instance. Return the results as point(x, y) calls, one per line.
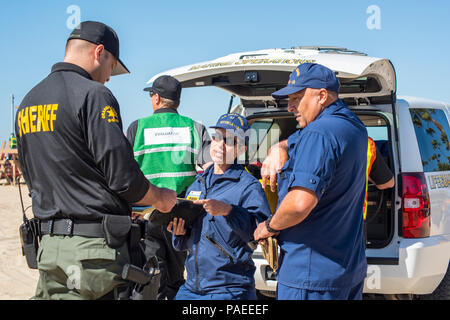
point(229, 141)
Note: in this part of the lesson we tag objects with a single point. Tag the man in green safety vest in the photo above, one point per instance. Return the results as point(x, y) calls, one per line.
point(168, 146)
point(12, 141)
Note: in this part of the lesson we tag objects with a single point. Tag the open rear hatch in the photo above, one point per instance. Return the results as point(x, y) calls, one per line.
point(253, 76)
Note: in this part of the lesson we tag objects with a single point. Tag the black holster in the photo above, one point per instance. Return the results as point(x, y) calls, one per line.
point(30, 236)
point(144, 281)
point(141, 274)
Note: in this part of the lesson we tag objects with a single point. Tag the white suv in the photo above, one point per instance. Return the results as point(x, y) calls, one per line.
point(408, 226)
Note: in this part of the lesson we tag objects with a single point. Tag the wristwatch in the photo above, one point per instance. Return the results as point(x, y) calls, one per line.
point(271, 230)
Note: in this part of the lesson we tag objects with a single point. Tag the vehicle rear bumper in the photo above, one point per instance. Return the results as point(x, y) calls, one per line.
point(264, 279)
point(422, 263)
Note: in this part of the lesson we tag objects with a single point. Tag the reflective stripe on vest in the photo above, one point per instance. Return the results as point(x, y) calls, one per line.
point(166, 147)
point(13, 142)
point(371, 155)
point(171, 174)
point(162, 149)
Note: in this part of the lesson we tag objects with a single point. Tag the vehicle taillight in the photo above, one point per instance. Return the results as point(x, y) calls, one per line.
point(415, 205)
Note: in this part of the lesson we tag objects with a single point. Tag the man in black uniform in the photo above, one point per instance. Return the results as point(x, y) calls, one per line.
point(80, 170)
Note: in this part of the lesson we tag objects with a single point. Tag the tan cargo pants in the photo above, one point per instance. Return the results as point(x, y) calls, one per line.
point(78, 268)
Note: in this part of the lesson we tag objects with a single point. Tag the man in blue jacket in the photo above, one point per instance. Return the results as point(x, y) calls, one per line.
point(321, 190)
point(219, 263)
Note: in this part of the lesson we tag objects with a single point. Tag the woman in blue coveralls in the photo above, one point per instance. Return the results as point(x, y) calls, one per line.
point(219, 264)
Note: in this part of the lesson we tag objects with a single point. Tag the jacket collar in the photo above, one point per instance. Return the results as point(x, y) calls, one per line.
point(233, 172)
point(165, 110)
point(65, 66)
point(332, 108)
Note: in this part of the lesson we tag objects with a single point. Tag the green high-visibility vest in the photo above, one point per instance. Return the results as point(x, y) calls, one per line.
point(13, 142)
point(166, 147)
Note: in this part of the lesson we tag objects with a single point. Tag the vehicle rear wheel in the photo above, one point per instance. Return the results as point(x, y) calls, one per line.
point(265, 295)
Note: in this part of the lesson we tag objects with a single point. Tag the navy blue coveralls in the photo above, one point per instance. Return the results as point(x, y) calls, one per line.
point(219, 264)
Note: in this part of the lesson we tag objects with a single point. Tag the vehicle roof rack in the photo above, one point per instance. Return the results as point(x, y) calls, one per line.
point(331, 49)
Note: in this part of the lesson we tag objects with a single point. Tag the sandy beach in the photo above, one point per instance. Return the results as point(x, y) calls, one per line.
point(17, 281)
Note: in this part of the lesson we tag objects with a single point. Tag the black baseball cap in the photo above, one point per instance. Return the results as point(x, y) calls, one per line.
point(100, 33)
point(167, 87)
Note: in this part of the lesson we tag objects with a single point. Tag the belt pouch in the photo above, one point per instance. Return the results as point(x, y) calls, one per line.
point(29, 236)
point(116, 229)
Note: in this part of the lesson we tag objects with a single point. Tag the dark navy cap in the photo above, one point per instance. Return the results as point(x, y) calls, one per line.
point(234, 123)
point(308, 75)
point(167, 87)
point(99, 33)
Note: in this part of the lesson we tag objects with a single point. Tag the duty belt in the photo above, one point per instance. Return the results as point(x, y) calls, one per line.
point(69, 227)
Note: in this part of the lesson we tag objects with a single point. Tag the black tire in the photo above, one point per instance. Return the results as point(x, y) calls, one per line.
point(265, 295)
point(442, 292)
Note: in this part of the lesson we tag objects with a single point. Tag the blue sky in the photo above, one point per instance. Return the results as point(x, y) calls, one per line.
point(160, 35)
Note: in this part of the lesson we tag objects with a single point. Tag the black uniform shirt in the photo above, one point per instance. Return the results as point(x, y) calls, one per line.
point(380, 172)
point(75, 158)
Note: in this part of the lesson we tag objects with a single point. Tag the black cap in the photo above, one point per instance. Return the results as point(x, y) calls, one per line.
point(167, 87)
point(99, 33)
